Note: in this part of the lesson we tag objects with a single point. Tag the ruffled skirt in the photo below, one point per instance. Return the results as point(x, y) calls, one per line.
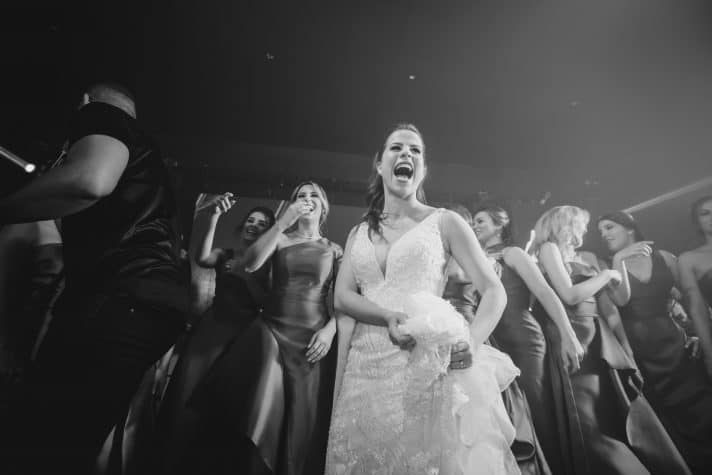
point(403, 412)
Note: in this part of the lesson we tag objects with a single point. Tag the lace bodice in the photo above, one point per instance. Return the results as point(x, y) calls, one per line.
point(415, 263)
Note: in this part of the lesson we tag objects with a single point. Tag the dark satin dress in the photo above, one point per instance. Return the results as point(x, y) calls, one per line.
point(269, 408)
point(604, 425)
point(705, 284)
point(526, 447)
point(520, 335)
point(677, 387)
point(239, 296)
point(159, 431)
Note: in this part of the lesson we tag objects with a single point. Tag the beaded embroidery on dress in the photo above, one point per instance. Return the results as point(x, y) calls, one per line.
point(402, 412)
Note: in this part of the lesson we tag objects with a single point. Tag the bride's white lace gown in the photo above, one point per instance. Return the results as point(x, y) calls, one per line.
point(402, 412)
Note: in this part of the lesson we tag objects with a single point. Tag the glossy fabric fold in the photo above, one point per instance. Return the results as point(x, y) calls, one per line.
point(676, 385)
point(593, 419)
point(253, 403)
point(262, 389)
point(705, 284)
point(520, 335)
point(526, 446)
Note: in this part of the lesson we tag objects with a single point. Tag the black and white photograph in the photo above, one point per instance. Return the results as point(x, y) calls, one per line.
point(392, 237)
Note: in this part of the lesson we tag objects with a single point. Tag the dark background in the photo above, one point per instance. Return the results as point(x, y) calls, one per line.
point(603, 104)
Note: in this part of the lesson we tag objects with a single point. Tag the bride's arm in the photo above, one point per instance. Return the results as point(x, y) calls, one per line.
point(462, 243)
point(348, 301)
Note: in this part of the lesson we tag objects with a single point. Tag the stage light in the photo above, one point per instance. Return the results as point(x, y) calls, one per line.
point(670, 195)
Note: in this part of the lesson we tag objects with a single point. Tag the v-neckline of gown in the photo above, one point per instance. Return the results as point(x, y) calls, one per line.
point(384, 270)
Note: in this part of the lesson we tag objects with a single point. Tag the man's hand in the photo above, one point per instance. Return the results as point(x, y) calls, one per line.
point(460, 355)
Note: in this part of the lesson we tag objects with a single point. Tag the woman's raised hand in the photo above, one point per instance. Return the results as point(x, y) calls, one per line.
point(221, 204)
point(295, 211)
point(640, 248)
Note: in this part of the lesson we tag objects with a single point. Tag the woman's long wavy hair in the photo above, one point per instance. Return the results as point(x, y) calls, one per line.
point(563, 225)
point(375, 196)
point(500, 217)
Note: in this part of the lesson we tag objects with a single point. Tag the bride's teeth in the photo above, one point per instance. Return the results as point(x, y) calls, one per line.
point(403, 171)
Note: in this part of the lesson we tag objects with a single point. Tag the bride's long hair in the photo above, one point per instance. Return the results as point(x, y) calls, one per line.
point(375, 196)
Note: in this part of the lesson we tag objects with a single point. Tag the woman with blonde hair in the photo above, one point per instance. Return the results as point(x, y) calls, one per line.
point(598, 433)
point(269, 395)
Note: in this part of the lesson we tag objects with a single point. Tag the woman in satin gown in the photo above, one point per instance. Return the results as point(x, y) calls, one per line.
point(605, 425)
point(676, 384)
point(462, 295)
point(397, 407)
point(160, 433)
point(268, 397)
point(239, 297)
point(518, 333)
point(695, 269)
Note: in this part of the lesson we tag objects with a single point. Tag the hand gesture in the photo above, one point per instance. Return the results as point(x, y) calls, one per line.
point(571, 352)
point(638, 376)
point(460, 356)
point(320, 344)
point(295, 211)
point(614, 277)
point(692, 346)
point(221, 204)
point(640, 248)
point(403, 340)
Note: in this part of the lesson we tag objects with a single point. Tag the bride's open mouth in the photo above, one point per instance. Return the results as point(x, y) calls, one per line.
point(403, 172)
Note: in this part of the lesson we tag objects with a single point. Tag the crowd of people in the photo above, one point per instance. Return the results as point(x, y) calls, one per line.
point(430, 343)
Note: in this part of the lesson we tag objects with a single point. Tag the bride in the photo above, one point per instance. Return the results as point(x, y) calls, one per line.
point(402, 404)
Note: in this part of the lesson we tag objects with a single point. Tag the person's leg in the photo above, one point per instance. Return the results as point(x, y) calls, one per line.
point(87, 374)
